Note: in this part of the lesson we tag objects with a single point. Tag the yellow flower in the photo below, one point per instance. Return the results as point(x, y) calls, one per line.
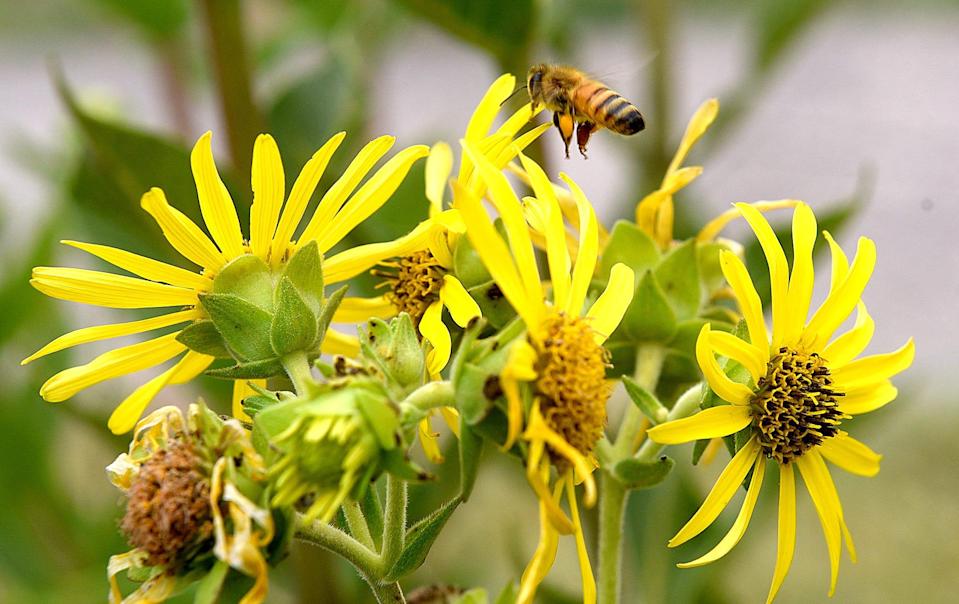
point(554, 380)
point(273, 227)
point(804, 383)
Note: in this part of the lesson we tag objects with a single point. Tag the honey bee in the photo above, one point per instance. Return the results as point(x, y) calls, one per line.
point(575, 98)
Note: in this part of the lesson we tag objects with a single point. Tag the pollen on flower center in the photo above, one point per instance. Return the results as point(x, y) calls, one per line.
point(572, 387)
point(794, 408)
point(414, 282)
point(168, 512)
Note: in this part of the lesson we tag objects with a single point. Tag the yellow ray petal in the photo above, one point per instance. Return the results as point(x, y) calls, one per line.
point(217, 207)
point(306, 182)
point(749, 356)
point(182, 233)
point(439, 165)
point(241, 390)
point(787, 529)
point(108, 365)
point(368, 199)
point(609, 308)
point(875, 369)
point(828, 514)
point(428, 440)
point(105, 332)
point(520, 118)
point(538, 430)
point(269, 188)
point(849, 345)
point(708, 423)
point(588, 251)
point(851, 455)
point(717, 224)
point(355, 260)
point(557, 255)
point(148, 268)
point(462, 306)
point(749, 304)
point(335, 342)
point(585, 569)
point(697, 126)
point(128, 412)
point(725, 388)
point(840, 264)
point(738, 529)
point(722, 492)
point(109, 290)
point(542, 559)
point(359, 310)
point(537, 474)
point(489, 106)
point(868, 398)
point(435, 332)
point(801, 279)
point(843, 299)
point(778, 268)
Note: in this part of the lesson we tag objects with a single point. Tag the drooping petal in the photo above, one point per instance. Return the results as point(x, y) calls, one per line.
point(717, 224)
point(439, 165)
point(109, 290)
point(241, 390)
point(708, 423)
point(96, 333)
point(557, 253)
point(778, 268)
point(488, 107)
point(851, 455)
point(269, 188)
point(462, 306)
point(588, 249)
point(744, 353)
point(217, 207)
point(428, 440)
point(787, 529)
point(801, 279)
point(696, 127)
point(738, 529)
point(182, 233)
point(359, 310)
point(111, 364)
point(874, 369)
point(849, 345)
point(335, 342)
point(608, 310)
point(435, 332)
point(538, 430)
point(827, 512)
point(538, 474)
point(749, 303)
point(148, 268)
point(725, 388)
point(843, 299)
point(542, 559)
point(722, 492)
point(868, 398)
point(520, 366)
point(585, 569)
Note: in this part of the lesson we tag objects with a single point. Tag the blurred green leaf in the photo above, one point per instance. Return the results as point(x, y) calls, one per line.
point(678, 275)
point(650, 315)
point(157, 19)
point(419, 540)
point(779, 24)
point(638, 474)
point(645, 401)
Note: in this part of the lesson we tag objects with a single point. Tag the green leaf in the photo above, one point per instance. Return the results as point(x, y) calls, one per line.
point(305, 271)
point(637, 474)
point(467, 265)
point(247, 277)
point(710, 271)
point(202, 336)
point(470, 452)
point(650, 315)
point(381, 417)
point(645, 401)
point(493, 304)
point(678, 275)
point(419, 540)
point(294, 324)
point(631, 246)
point(244, 326)
point(155, 19)
point(252, 370)
point(779, 26)
point(208, 589)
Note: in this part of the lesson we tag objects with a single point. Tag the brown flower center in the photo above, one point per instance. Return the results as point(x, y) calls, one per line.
point(794, 408)
point(414, 282)
point(168, 510)
point(572, 387)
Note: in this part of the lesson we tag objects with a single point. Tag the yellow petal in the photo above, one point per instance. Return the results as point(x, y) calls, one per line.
point(428, 440)
point(217, 207)
point(708, 423)
point(106, 289)
point(128, 412)
point(722, 492)
point(269, 188)
point(514, 407)
point(725, 388)
point(368, 199)
point(588, 249)
point(843, 299)
point(698, 125)
point(851, 455)
point(738, 529)
point(241, 390)
point(787, 529)
point(537, 474)
point(359, 310)
point(744, 353)
point(435, 332)
point(538, 430)
point(461, 305)
point(801, 279)
point(849, 345)
point(868, 398)
point(828, 515)
point(182, 233)
point(840, 264)
point(717, 224)
point(355, 260)
point(874, 369)
point(585, 569)
point(111, 364)
point(542, 559)
point(489, 106)
point(778, 268)
point(609, 308)
point(749, 304)
point(305, 185)
point(105, 332)
point(335, 342)
point(520, 118)
point(148, 268)
point(439, 164)
point(557, 255)
point(665, 216)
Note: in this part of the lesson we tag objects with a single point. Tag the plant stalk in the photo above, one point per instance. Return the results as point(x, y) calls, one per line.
point(297, 366)
point(394, 523)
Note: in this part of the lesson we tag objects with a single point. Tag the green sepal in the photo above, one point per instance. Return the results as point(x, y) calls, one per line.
point(294, 323)
point(470, 452)
point(251, 370)
point(209, 588)
point(381, 416)
point(398, 463)
point(202, 336)
point(245, 327)
point(636, 474)
point(419, 539)
point(325, 317)
point(699, 447)
point(405, 354)
point(467, 265)
point(305, 272)
point(678, 275)
point(494, 306)
point(255, 403)
point(473, 398)
point(650, 316)
point(246, 277)
point(630, 245)
point(710, 270)
point(645, 401)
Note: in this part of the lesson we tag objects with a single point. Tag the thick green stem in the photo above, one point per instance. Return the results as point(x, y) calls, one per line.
point(388, 593)
point(429, 396)
point(357, 521)
point(297, 366)
point(333, 539)
point(394, 524)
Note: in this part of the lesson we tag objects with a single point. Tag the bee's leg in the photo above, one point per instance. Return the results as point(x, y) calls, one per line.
point(583, 132)
point(564, 123)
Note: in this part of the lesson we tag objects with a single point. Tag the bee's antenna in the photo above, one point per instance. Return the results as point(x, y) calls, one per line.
point(512, 94)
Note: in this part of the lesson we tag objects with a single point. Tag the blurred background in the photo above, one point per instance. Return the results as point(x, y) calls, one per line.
point(850, 106)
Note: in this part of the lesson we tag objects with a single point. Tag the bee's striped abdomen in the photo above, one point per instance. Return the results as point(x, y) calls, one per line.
point(609, 109)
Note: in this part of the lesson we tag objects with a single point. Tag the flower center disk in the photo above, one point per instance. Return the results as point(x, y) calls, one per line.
point(794, 408)
point(414, 283)
point(571, 388)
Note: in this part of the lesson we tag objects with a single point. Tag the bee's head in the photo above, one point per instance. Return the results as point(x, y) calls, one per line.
point(534, 82)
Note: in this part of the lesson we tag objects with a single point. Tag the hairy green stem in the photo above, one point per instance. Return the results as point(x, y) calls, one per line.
point(297, 366)
point(431, 396)
point(387, 593)
point(357, 521)
point(333, 539)
point(394, 523)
